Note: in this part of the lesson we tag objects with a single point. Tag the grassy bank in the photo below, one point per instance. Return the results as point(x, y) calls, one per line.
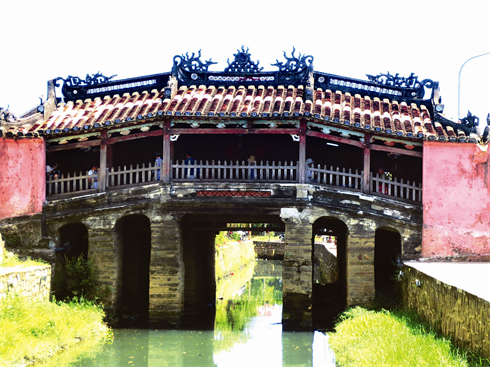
point(393, 338)
point(34, 331)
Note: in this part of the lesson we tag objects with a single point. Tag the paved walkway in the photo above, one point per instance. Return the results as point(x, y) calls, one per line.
point(472, 277)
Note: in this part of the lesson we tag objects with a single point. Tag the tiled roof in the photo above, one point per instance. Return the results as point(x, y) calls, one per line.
point(215, 103)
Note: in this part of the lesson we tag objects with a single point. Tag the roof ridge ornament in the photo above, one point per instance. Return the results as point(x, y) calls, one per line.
point(295, 64)
point(6, 115)
point(192, 63)
point(402, 82)
point(73, 81)
point(243, 63)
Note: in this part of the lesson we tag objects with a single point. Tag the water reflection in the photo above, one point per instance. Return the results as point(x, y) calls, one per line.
point(248, 332)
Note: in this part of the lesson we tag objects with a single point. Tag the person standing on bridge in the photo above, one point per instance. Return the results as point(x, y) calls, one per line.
point(189, 161)
point(158, 163)
point(251, 162)
point(309, 173)
point(93, 184)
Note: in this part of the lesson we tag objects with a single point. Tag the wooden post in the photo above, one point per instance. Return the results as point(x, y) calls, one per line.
point(167, 159)
point(367, 162)
point(109, 155)
point(103, 162)
point(302, 152)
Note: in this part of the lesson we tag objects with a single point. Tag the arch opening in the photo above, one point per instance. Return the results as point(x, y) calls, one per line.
point(134, 237)
point(72, 244)
point(387, 251)
point(329, 278)
point(199, 235)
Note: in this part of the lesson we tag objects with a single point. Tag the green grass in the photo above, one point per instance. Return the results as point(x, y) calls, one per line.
point(396, 338)
point(11, 260)
point(34, 331)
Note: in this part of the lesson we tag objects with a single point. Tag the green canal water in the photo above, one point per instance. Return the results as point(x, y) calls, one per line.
point(247, 332)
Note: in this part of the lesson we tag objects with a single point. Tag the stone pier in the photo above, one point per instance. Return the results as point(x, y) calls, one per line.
point(297, 272)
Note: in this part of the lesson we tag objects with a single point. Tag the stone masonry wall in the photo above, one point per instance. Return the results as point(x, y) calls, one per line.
point(269, 250)
point(326, 265)
point(457, 314)
point(297, 274)
point(166, 272)
point(33, 282)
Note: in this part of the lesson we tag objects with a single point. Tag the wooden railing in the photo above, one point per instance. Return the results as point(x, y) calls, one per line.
point(235, 171)
point(335, 177)
point(392, 187)
point(238, 172)
point(133, 175)
point(69, 184)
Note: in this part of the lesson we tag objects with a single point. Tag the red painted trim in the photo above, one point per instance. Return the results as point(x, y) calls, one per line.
point(235, 131)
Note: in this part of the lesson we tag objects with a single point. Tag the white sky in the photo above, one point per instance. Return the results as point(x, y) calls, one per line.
point(42, 40)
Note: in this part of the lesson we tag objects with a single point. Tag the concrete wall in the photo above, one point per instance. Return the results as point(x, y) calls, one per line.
point(456, 201)
point(22, 177)
point(457, 314)
point(33, 282)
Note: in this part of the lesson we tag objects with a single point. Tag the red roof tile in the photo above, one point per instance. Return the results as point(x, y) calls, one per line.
point(383, 116)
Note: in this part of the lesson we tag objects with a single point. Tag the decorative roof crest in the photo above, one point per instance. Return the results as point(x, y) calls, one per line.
point(6, 115)
point(192, 63)
point(243, 63)
point(295, 64)
point(402, 82)
point(75, 81)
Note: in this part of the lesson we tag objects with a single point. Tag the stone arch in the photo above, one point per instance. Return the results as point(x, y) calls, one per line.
point(133, 242)
point(330, 265)
point(387, 251)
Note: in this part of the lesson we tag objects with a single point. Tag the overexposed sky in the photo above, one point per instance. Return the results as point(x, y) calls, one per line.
point(42, 40)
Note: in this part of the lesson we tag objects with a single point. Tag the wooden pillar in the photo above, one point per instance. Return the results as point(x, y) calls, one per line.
point(167, 159)
point(367, 162)
point(302, 152)
point(109, 156)
point(103, 162)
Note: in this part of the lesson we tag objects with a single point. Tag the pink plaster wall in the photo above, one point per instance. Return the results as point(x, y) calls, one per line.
point(22, 177)
point(456, 200)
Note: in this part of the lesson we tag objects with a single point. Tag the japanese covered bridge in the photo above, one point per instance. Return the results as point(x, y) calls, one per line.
point(151, 222)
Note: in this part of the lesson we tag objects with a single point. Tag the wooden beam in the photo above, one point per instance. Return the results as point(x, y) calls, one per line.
point(81, 144)
point(103, 162)
point(336, 139)
point(383, 148)
point(302, 152)
point(293, 131)
point(120, 139)
point(367, 163)
point(165, 177)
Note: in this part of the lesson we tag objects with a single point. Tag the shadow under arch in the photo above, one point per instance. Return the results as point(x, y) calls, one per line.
point(387, 250)
point(73, 242)
point(329, 259)
point(133, 237)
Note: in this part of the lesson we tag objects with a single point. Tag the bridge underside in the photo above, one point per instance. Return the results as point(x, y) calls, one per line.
point(155, 243)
